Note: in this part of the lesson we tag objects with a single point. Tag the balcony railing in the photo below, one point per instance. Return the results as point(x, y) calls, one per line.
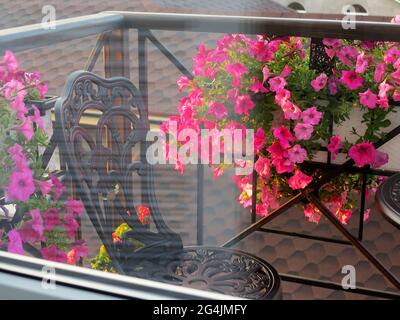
point(113, 40)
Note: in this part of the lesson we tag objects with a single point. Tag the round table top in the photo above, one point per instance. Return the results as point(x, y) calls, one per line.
point(388, 199)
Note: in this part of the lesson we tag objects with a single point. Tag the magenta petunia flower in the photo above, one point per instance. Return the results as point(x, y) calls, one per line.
point(259, 140)
point(368, 99)
point(347, 55)
point(36, 117)
point(10, 61)
point(45, 186)
point(290, 110)
point(58, 188)
point(303, 131)
point(183, 82)
point(361, 63)
point(218, 110)
point(330, 42)
point(283, 165)
point(75, 207)
point(257, 86)
point(363, 153)
point(17, 154)
point(51, 253)
point(15, 242)
point(297, 154)
point(244, 104)
point(78, 251)
point(319, 82)
point(37, 221)
point(70, 225)
point(51, 219)
point(236, 70)
point(299, 180)
point(266, 73)
point(379, 73)
point(277, 151)
point(14, 88)
point(26, 128)
point(312, 213)
point(283, 135)
point(311, 116)
point(18, 105)
point(20, 186)
point(286, 71)
point(277, 83)
point(262, 166)
point(333, 85)
point(334, 146)
point(351, 80)
point(381, 158)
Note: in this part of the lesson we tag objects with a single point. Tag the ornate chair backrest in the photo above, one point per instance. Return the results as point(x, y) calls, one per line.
point(103, 166)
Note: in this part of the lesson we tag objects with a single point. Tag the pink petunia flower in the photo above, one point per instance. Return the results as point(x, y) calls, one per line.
point(391, 56)
point(384, 88)
point(311, 116)
point(78, 251)
point(297, 154)
point(333, 85)
point(51, 219)
point(344, 215)
point(70, 225)
point(266, 73)
point(396, 96)
point(17, 154)
point(218, 110)
point(277, 83)
point(312, 213)
point(334, 146)
point(363, 153)
point(379, 73)
point(10, 61)
point(362, 63)
point(283, 135)
point(319, 82)
point(347, 55)
point(303, 131)
point(45, 186)
point(26, 128)
point(257, 86)
point(15, 242)
point(236, 70)
point(18, 105)
point(277, 151)
point(299, 180)
point(51, 253)
point(351, 80)
point(282, 96)
point(58, 188)
point(368, 99)
point(330, 42)
point(286, 71)
point(290, 110)
point(36, 117)
point(283, 165)
point(37, 221)
point(20, 186)
point(183, 82)
point(259, 140)
point(75, 207)
point(262, 167)
point(14, 88)
point(381, 158)
point(244, 104)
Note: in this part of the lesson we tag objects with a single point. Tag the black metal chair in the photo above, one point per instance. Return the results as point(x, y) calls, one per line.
point(103, 171)
point(387, 199)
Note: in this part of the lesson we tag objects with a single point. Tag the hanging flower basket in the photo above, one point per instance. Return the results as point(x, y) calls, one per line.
point(246, 82)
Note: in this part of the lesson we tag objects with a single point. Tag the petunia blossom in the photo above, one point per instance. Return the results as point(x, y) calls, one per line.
point(236, 70)
point(20, 186)
point(51, 219)
point(257, 86)
point(277, 83)
point(70, 225)
point(218, 110)
point(297, 154)
point(15, 242)
point(361, 63)
point(335, 145)
point(351, 80)
point(311, 116)
point(283, 135)
point(363, 153)
point(303, 131)
point(26, 128)
point(259, 140)
point(379, 73)
point(58, 188)
point(319, 82)
point(312, 213)
point(51, 253)
point(299, 180)
point(16, 153)
point(244, 104)
point(75, 207)
point(381, 158)
point(262, 166)
point(368, 99)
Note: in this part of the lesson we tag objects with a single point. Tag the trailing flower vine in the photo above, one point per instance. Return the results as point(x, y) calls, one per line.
point(45, 223)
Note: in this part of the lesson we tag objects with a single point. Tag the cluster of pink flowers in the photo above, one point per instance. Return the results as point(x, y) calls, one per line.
point(243, 78)
point(36, 227)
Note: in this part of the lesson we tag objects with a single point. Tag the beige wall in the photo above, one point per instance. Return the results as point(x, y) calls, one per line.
point(373, 7)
